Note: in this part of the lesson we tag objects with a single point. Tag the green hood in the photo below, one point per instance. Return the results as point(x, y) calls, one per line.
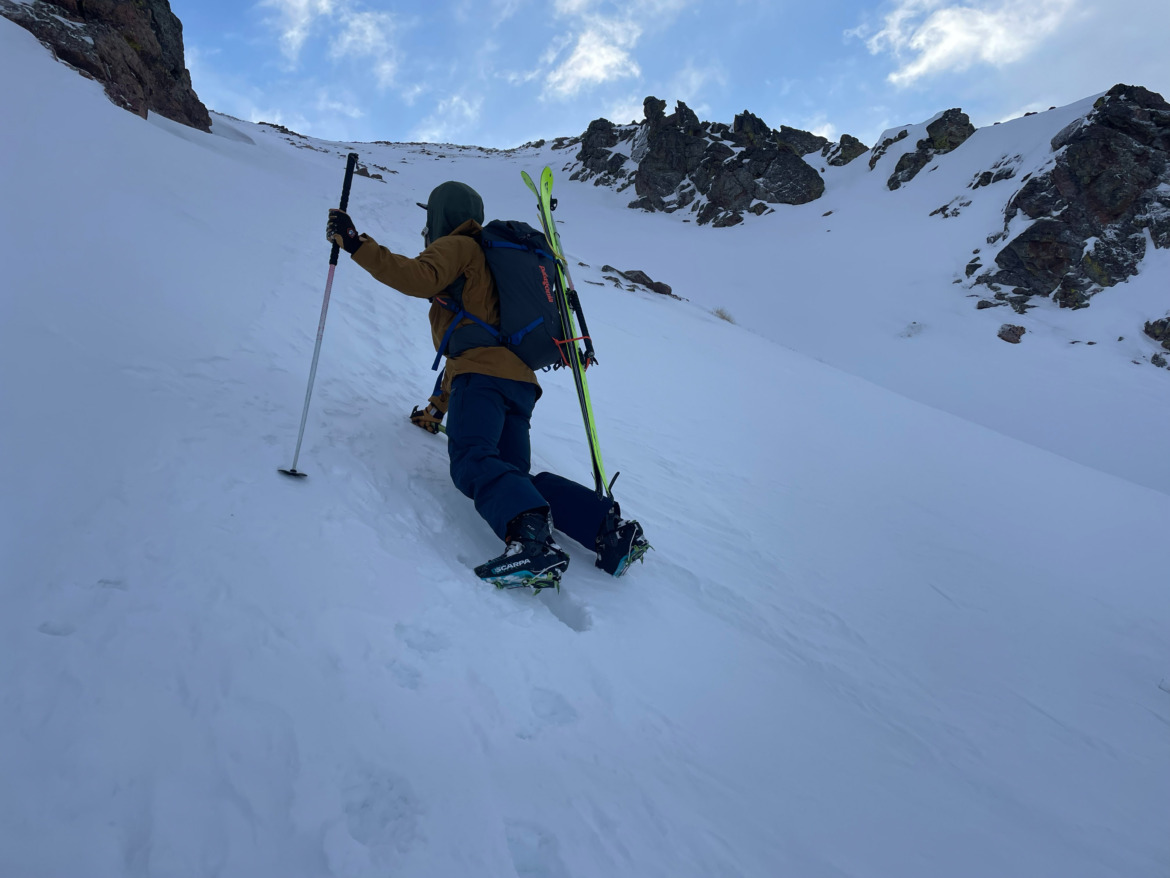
point(451, 205)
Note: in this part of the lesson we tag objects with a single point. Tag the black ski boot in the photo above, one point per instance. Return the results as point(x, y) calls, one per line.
point(619, 543)
point(531, 559)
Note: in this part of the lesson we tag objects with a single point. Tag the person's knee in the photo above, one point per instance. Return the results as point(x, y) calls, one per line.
point(473, 464)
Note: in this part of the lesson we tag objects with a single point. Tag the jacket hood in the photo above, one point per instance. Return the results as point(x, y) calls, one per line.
point(450, 205)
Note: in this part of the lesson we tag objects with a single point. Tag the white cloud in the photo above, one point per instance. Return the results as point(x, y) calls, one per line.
point(689, 84)
point(368, 35)
point(602, 46)
point(363, 35)
point(573, 7)
point(626, 110)
point(412, 93)
point(928, 37)
point(327, 103)
point(601, 54)
point(826, 130)
point(497, 12)
point(451, 117)
point(294, 22)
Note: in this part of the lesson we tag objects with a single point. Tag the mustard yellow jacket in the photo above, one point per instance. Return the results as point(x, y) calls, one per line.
point(431, 272)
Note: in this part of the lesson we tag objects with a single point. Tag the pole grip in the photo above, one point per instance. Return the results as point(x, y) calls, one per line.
point(350, 164)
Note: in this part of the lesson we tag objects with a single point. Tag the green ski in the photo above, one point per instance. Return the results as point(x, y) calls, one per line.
point(568, 302)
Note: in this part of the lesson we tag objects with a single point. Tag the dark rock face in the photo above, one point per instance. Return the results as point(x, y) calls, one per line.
point(135, 49)
point(640, 278)
point(881, 149)
point(1159, 330)
point(1011, 333)
point(1092, 211)
point(802, 141)
point(840, 154)
point(717, 171)
point(598, 155)
point(1004, 169)
point(945, 134)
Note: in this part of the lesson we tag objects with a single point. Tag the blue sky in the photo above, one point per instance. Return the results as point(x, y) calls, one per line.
point(502, 72)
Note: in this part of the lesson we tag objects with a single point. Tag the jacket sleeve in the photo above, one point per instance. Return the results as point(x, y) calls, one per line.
point(427, 275)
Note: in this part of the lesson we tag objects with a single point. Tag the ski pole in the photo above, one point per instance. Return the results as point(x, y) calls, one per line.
point(292, 470)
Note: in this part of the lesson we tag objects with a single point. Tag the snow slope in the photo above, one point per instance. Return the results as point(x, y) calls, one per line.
point(873, 288)
point(877, 636)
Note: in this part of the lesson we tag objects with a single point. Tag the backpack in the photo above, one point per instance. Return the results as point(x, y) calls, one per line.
point(524, 271)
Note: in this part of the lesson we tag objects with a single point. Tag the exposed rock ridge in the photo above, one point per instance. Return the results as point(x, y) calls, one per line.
point(1092, 211)
point(133, 47)
point(945, 134)
point(717, 171)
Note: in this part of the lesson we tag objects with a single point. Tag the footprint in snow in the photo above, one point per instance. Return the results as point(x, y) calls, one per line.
point(535, 851)
point(568, 609)
point(406, 676)
point(382, 810)
point(550, 709)
point(422, 640)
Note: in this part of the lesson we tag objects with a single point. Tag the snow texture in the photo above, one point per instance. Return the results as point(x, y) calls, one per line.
point(907, 610)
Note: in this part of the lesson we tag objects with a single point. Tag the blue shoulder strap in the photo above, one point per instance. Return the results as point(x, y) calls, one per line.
point(460, 314)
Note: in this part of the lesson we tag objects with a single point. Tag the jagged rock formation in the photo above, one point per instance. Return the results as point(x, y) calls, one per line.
point(718, 171)
point(882, 148)
point(1108, 189)
point(802, 141)
point(1159, 331)
point(135, 49)
point(945, 134)
point(842, 153)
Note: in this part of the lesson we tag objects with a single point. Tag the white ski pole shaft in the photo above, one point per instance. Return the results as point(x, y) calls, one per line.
point(292, 471)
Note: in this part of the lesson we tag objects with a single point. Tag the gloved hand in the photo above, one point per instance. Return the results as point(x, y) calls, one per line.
point(341, 231)
point(429, 418)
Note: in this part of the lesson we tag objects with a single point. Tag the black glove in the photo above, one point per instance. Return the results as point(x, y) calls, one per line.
point(340, 230)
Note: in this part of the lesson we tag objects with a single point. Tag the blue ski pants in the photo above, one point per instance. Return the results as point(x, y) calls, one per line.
point(488, 421)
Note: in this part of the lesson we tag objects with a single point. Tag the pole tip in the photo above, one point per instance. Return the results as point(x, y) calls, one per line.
point(293, 472)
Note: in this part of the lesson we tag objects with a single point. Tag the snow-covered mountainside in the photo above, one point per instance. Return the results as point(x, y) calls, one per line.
point(906, 613)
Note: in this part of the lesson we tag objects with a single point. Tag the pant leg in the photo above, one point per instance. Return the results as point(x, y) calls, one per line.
point(515, 439)
point(482, 411)
point(576, 510)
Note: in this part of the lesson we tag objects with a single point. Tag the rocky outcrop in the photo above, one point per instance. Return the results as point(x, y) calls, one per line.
point(718, 172)
point(135, 49)
point(1108, 190)
point(945, 134)
point(1159, 331)
point(883, 147)
point(1011, 333)
point(1004, 169)
point(842, 153)
point(596, 145)
point(640, 278)
point(802, 142)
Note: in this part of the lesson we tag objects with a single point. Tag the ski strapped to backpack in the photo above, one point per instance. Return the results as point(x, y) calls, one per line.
point(525, 274)
point(568, 303)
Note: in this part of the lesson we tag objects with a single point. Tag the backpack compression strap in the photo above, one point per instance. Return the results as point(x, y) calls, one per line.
point(460, 313)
